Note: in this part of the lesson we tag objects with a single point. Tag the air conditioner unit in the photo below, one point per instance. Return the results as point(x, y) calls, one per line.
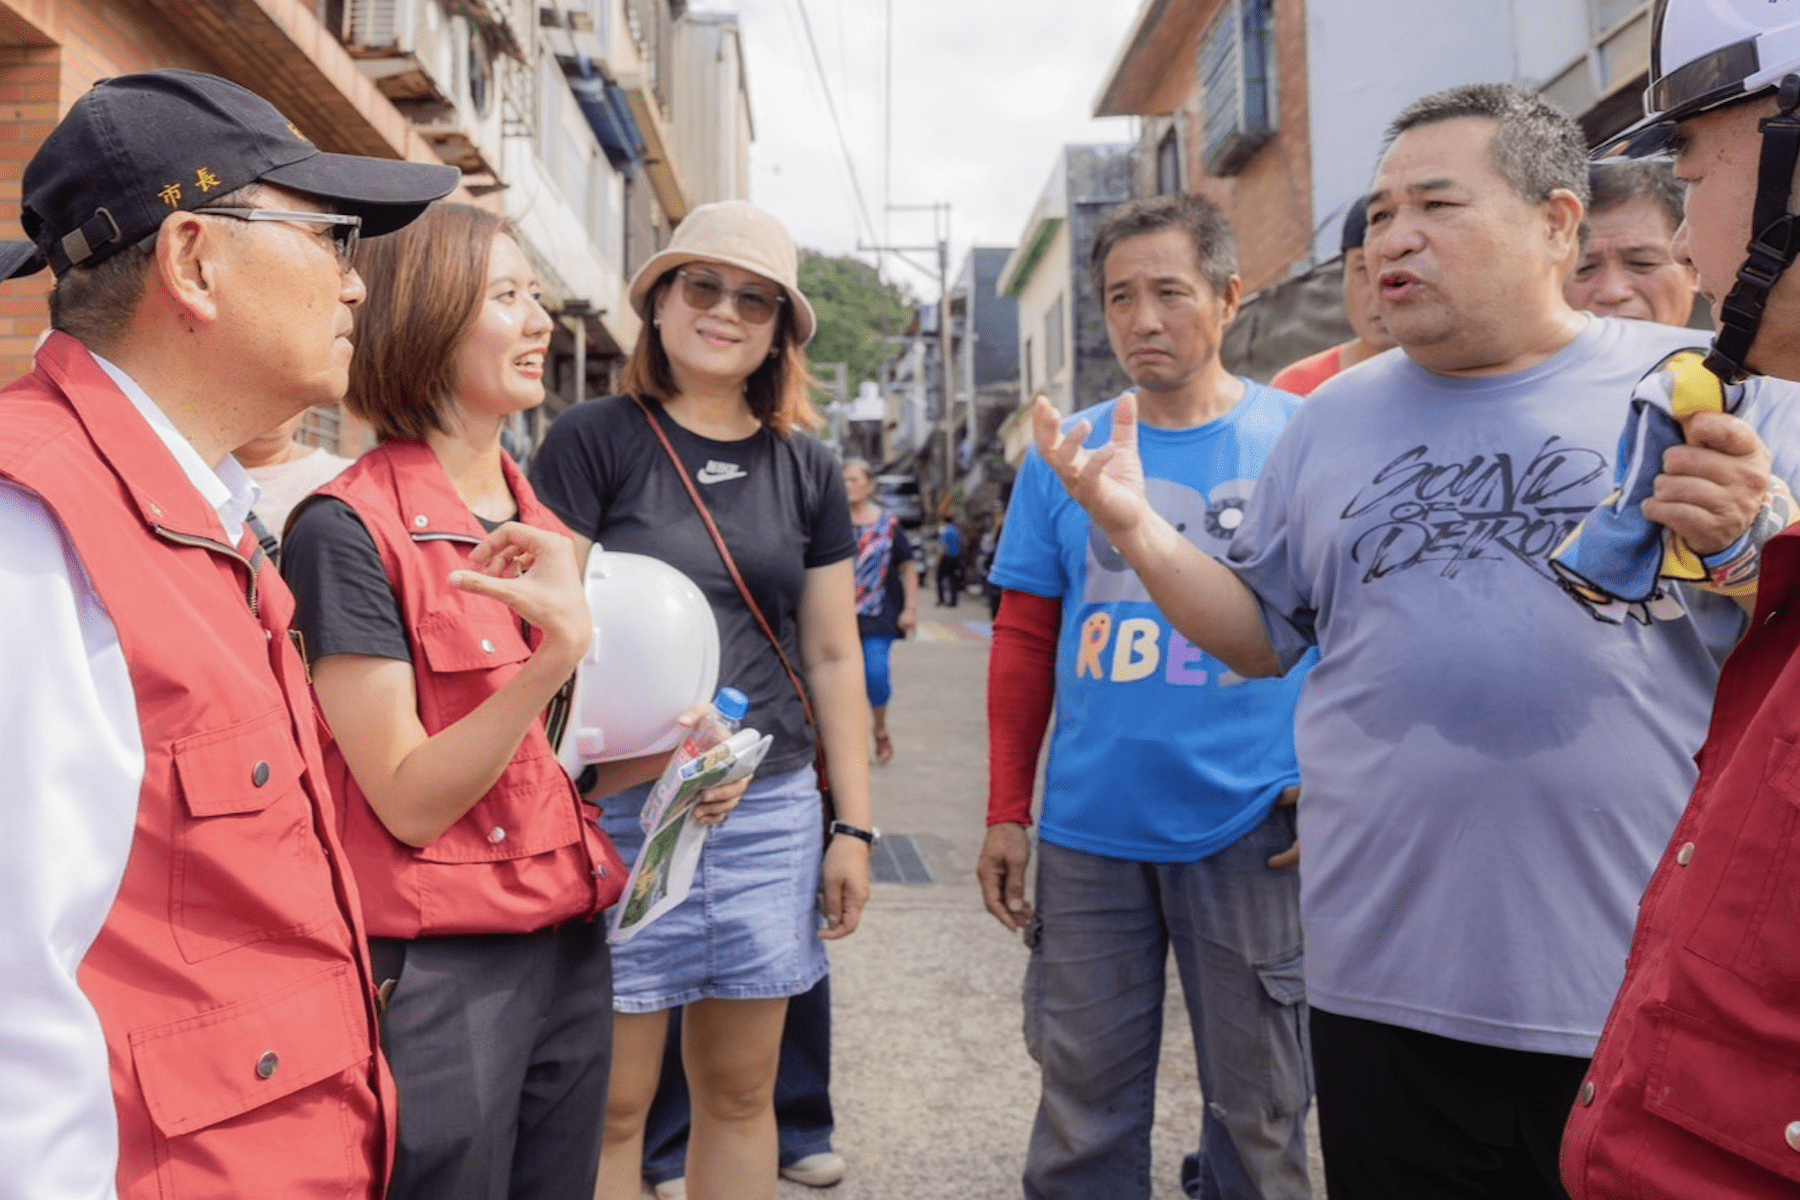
point(378, 24)
point(1237, 79)
point(409, 49)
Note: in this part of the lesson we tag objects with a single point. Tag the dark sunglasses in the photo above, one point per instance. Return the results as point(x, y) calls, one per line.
point(754, 305)
point(346, 230)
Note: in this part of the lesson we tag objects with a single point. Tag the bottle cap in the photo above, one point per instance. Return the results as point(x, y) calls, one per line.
point(731, 704)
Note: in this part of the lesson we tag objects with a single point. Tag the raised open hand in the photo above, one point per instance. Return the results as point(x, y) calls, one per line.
point(1107, 482)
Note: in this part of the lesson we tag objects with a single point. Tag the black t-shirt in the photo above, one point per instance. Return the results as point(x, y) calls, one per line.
point(778, 501)
point(344, 602)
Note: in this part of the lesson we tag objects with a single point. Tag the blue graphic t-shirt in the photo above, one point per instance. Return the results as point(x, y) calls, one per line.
point(1160, 754)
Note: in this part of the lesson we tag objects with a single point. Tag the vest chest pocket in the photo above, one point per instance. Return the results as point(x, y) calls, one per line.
point(247, 865)
point(459, 650)
point(1755, 905)
point(529, 811)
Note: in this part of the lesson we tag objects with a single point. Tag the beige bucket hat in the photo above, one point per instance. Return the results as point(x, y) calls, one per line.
point(738, 234)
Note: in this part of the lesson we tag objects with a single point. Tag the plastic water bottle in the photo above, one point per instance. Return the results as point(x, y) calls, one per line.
point(720, 722)
point(728, 710)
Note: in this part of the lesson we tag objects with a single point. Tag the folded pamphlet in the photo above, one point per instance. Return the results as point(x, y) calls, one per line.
point(664, 871)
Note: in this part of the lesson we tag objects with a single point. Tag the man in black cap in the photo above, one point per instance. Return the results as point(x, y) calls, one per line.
point(1372, 336)
point(190, 1004)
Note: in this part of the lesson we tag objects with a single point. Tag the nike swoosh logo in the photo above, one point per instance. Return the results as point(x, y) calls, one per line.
point(719, 472)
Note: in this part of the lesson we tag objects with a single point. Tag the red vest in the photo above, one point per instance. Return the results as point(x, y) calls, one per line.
point(528, 854)
point(229, 976)
point(1695, 1090)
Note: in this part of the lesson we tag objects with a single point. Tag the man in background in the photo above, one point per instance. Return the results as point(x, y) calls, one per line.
point(1629, 267)
point(1371, 338)
point(286, 470)
point(949, 564)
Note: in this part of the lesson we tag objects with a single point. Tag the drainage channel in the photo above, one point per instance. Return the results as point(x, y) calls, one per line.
point(897, 860)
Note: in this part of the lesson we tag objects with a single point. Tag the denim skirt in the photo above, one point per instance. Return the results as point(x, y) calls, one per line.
point(749, 929)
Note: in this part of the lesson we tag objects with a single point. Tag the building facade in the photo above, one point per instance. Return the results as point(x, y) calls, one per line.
point(1222, 87)
point(1277, 109)
point(561, 115)
point(985, 340)
point(1063, 351)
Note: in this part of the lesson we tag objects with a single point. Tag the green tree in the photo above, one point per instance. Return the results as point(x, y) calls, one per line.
point(855, 309)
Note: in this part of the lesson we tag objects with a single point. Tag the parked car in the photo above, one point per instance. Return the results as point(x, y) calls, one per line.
point(899, 494)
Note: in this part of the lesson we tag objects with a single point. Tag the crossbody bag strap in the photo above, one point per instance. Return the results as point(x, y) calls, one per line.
point(725, 554)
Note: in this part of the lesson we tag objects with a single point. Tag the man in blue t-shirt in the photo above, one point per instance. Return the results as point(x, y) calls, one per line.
point(1167, 806)
point(949, 567)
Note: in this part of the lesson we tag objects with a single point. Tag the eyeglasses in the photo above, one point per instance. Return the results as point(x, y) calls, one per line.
point(755, 306)
point(346, 230)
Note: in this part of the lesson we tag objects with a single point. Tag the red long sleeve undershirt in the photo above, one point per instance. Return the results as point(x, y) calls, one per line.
point(1021, 692)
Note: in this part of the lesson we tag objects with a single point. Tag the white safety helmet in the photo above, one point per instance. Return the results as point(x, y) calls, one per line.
point(1706, 54)
point(655, 654)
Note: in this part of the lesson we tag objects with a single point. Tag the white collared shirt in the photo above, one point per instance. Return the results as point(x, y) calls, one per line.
point(227, 487)
point(73, 754)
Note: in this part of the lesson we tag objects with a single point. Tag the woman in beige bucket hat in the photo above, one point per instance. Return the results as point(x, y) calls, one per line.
point(719, 371)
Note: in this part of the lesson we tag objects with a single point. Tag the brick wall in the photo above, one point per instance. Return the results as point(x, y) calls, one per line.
point(52, 51)
point(1269, 202)
point(30, 101)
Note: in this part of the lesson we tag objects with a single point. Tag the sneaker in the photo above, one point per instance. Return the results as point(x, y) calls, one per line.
point(816, 1170)
point(671, 1189)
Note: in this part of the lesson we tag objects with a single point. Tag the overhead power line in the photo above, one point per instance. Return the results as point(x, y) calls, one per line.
point(862, 206)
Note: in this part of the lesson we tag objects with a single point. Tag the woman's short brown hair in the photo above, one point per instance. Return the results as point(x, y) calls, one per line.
point(426, 284)
point(779, 391)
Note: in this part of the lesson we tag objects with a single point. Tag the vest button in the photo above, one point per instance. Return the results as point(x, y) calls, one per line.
point(267, 1065)
point(259, 774)
point(1685, 855)
point(496, 835)
point(1792, 1133)
point(421, 520)
point(487, 645)
point(1587, 1094)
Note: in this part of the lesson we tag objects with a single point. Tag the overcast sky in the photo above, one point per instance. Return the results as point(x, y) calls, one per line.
point(985, 92)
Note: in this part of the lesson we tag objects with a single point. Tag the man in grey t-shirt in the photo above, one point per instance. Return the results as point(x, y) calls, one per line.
point(1489, 771)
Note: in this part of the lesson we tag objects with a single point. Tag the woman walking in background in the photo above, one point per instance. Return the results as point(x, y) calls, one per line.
point(887, 592)
point(707, 448)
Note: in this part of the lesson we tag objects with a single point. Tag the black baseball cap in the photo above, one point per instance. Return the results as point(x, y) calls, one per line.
point(1356, 225)
point(138, 147)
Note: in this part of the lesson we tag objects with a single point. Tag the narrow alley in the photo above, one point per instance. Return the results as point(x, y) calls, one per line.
point(934, 1091)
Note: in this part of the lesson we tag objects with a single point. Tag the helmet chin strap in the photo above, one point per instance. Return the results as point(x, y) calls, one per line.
point(1775, 243)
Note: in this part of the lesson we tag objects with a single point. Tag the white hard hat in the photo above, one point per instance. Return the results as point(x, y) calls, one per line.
point(1705, 54)
point(655, 654)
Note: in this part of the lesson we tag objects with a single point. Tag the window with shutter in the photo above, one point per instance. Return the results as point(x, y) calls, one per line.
point(1237, 74)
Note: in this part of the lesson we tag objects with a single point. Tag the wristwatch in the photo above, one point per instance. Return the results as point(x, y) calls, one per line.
point(870, 836)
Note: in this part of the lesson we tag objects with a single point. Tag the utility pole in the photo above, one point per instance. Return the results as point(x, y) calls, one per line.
point(969, 338)
point(939, 212)
point(834, 378)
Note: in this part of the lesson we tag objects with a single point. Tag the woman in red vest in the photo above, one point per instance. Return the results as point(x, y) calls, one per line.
point(442, 610)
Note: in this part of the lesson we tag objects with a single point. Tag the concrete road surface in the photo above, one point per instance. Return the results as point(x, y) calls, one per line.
point(934, 1092)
